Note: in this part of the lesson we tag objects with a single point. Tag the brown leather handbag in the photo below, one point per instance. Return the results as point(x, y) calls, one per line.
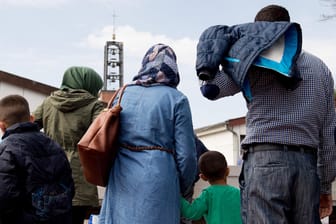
point(99, 145)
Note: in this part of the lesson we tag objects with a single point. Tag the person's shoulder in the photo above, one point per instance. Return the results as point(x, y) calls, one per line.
point(226, 188)
point(16, 143)
point(313, 63)
point(170, 91)
point(221, 190)
point(308, 56)
point(3, 146)
point(233, 188)
point(100, 103)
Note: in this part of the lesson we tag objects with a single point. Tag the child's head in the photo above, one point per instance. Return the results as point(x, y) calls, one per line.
point(213, 166)
point(13, 109)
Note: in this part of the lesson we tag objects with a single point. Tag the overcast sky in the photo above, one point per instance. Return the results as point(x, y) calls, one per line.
point(40, 39)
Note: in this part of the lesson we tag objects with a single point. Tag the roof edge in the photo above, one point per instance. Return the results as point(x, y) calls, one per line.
point(26, 83)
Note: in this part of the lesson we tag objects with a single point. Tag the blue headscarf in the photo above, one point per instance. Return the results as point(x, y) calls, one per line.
point(158, 67)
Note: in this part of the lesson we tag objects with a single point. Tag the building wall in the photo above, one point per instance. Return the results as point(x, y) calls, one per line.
point(222, 142)
point(34, 98)
point(224, 138)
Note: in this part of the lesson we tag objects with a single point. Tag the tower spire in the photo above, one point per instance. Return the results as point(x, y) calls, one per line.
point(113, 62)
point(114, 18)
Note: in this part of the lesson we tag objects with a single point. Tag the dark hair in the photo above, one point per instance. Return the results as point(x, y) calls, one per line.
point(272, 13)
point(14, 109)
point(212, 165)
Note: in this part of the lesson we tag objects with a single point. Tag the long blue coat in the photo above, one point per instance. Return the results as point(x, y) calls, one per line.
point(145, 186)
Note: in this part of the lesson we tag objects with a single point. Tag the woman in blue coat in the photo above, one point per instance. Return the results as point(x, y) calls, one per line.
point(156, 161)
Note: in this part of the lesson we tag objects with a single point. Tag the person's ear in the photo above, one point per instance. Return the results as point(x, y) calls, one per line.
point(227, 172)
point(203, 177)
point(31, 118)
point(3, 126)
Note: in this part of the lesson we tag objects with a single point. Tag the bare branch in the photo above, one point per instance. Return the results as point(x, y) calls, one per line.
point(327, 17)
point(332, 5)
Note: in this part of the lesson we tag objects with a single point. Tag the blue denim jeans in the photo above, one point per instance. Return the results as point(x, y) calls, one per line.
point(280, 187)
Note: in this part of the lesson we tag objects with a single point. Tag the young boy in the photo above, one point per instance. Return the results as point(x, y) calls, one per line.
point(35, 176)
point(219, 203)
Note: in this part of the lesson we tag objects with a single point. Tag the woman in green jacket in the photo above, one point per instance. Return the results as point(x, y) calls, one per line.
point(65, 116)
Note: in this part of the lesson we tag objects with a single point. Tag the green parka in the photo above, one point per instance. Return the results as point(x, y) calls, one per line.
point(65, 116)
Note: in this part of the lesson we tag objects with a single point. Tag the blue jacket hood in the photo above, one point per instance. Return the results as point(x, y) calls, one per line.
point(236, 48)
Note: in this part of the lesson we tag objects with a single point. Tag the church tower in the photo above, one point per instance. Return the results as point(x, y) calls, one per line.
point(113, 65)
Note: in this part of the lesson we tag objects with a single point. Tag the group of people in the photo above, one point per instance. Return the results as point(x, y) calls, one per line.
point(289, 149)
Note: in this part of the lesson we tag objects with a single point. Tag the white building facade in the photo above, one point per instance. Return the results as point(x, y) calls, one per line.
point(33, 91)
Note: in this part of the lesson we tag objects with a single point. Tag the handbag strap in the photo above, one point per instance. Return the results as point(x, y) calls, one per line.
point(120, 91)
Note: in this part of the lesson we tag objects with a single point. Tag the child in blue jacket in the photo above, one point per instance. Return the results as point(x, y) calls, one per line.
point(36, 185)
